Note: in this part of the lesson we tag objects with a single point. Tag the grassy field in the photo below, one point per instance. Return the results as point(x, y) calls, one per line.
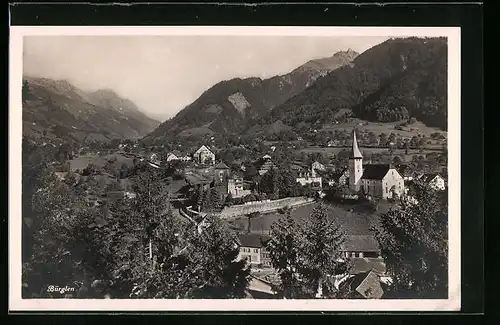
point(328, 151)
point(387, 128)
point(354, 219)
point(83, 161)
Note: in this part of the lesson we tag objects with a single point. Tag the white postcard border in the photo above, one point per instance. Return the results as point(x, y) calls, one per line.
point(16, 303)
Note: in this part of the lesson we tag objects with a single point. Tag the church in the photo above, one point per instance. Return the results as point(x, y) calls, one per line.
point(376, 180)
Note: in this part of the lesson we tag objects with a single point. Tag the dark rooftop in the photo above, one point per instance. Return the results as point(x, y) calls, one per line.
point(253, 240)
point(367, 285)
point(375, 171)
point(366, 264)
point(195, 178)
point(221, 165)
point(429, 177)
point(360, 243)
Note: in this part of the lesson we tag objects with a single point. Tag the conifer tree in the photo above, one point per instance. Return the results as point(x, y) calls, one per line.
point(320, 252)
point(284, 248)
point(414, 244)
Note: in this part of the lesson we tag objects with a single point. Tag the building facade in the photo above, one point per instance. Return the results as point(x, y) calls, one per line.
point(318, 166)
point(204, 156)
point(172, 157)
point(235, 186)
point(253, 249)
point(435, 181)
point(306, 177)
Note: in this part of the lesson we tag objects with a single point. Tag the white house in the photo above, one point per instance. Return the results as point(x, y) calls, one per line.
point(172, 157)
point(204, 156)
point(434, 180)
point(318, 166)
point(236, 188)
point(253, 249)
point(309, 177)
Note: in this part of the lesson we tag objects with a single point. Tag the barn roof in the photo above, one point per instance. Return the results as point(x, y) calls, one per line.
point(253, 240)
point(360, 243)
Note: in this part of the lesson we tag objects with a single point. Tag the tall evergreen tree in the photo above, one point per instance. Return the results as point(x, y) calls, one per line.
point(284, 248)
point(414, 244)
point(321, 252)
point(213, 267)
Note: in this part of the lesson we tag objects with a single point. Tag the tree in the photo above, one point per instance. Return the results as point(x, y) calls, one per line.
point(414, 245)
point(251, 216)
point(284, 251)
point(113, 186)
point(251, 172)
point(321, 253)
point(229, 199)
point(26, 91)
point(213, 270)
point(63, 251)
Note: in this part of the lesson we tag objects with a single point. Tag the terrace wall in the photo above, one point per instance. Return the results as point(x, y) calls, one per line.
point(263, 206)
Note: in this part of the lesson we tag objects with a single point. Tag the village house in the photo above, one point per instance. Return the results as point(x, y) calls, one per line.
point(155, 158)
point(204, 156)
point(198, 181)
point(221, 171)
point(307, 176)
point(172, 157)
point(318, 166)
point(253, 249)
point(340, 177)
point(266, 165)
point(377, 180)
point(259, 289)
point(434, 181)
point(236, 187)
point(405, 171)
point(366, 285)
point(363, 246)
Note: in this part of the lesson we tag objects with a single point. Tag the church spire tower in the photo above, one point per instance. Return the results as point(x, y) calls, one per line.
point(355, 164)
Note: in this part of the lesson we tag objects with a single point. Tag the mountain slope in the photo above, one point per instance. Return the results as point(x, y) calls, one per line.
point(394, 80)
point(55, 109)
point(229, 107)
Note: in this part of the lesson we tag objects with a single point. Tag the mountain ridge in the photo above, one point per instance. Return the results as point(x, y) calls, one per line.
point(58, 110)
point(231, 106)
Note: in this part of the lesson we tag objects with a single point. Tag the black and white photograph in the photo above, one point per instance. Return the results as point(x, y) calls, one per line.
point(234, 168)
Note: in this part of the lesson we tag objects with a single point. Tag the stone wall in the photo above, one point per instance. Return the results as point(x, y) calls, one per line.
point(263, 206)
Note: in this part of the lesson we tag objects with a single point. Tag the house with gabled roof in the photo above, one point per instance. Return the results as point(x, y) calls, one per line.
point(253, 249)
point(434, 180)
point(204, 156)
point(366, 285)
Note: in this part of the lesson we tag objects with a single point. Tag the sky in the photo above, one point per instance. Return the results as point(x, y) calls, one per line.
point(163, 74)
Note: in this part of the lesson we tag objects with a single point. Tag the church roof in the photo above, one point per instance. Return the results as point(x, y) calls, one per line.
point(376, 172)
point(355, 153)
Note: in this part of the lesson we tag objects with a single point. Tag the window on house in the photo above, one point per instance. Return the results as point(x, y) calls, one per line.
point(353, 254)
point(255, 250)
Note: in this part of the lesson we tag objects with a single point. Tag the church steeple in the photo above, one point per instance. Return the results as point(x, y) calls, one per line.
point(355, 153)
